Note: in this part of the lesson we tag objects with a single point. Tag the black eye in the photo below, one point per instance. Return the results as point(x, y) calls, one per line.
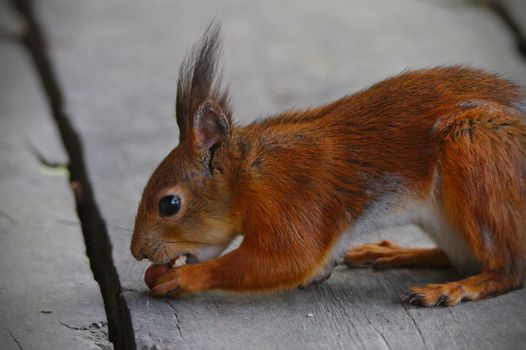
point(169, 205)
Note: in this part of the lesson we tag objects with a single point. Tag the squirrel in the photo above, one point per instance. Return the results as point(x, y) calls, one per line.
point(442, 148)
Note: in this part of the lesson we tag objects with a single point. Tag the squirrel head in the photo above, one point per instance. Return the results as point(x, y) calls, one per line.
point(187, 205)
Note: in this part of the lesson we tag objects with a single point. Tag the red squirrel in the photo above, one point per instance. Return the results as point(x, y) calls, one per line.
point(443, 148)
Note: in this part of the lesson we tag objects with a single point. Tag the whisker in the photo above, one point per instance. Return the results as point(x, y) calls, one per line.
point(149, 246)
point(170, 250)
point(193, 242)
point(147, 239)
point(156, 249)
point(133, 180)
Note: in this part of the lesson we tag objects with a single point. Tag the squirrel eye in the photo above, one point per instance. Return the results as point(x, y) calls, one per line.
point(169, 205)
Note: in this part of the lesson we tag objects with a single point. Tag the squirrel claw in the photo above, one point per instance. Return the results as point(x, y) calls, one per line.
point(412, 298)
point(167, 285)
point(443, 300)
point(168, 289)
point(448, 294)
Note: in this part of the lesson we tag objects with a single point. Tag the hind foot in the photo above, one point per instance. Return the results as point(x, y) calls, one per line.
point(452, 293)
point(387, 254)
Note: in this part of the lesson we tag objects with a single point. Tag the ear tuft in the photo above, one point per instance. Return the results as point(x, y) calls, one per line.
point(211, 125)
point(200, 82)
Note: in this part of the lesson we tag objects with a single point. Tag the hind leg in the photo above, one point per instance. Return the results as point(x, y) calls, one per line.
point(471, 288)
point(386, 254)
point(482, 170)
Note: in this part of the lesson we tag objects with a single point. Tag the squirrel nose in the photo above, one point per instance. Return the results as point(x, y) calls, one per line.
point(136, 250)
point(138, 256)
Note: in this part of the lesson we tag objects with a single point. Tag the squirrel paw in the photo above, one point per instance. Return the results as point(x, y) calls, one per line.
point(471, 288)
point(378, 255)
point(448, 294)
point(322, 276)
point(169, 285)
point(315, 281)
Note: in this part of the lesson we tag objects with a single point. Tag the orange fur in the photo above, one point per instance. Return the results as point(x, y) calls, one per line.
point(386, 254)
point(292, 184)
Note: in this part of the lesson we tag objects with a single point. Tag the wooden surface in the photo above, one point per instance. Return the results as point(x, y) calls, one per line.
point(48, 298)
point(117, 62)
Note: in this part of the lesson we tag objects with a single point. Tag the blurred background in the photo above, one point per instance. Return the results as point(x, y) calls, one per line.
point(108, 70)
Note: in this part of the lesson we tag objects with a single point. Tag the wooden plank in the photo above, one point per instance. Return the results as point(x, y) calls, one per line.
point(514, 13)
point(48, 297)
point(118, 66)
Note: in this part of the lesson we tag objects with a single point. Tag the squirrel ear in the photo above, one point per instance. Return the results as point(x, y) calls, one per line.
point(211, 125)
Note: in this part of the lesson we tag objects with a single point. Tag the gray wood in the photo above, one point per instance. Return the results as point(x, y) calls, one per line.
point(48, 298)
point(118, 62)
point(516, 9)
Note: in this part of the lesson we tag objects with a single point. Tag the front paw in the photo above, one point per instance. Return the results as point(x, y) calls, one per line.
point(183, 280)
point(315, 281)
point(169, 285)
point(322, 276)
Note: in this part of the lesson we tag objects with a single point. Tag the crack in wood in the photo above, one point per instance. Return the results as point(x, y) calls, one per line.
point(177, 322)
point(343, 309)
point(93, 226)
point(7, 217)
point(500, 9)
point(91, 326)
point(413, 321)
point(43, 161)
point(416, 325)
point(383, 338)
point(14, 339)
point(95, 332)
point(211, 299)
point(379, 333)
